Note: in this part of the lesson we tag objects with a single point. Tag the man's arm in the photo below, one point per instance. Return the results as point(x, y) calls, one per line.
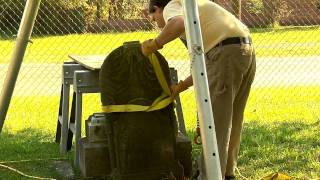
point(172, 30)
point(181, 86)
point(188, 81)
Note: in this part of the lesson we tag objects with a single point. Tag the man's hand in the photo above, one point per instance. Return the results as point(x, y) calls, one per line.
point(176, 89)
point(150, 46)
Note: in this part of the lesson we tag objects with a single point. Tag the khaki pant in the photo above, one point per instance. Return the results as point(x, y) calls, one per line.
point(231, 70)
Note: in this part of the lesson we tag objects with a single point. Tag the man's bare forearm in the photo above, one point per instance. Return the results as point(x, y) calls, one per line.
point(188, 82)
point(172, 30)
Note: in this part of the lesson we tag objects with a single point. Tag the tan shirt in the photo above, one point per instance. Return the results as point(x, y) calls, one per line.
point(216, 23)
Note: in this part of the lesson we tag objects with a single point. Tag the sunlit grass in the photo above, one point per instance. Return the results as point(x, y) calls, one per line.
point(287, 42)
point(281, 132)
point(55, 49)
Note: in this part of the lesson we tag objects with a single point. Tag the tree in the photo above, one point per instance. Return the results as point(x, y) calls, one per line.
point(272, 10)
point(278, 9)
point(236, 7)
point(116, 9)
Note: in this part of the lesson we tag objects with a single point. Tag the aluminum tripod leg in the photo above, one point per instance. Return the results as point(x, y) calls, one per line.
point(24, 33)
point(199, 74)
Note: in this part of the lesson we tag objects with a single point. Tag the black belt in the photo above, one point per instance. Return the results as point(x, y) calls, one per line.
point(235, 40)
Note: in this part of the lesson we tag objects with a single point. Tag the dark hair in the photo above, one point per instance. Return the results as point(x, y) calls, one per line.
point(158, 3)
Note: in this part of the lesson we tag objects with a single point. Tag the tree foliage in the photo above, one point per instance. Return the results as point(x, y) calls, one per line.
point(71, 16)
point(274, 10)
point(255, 6)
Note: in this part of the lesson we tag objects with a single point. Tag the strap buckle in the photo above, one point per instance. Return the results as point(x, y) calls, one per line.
point(245, 40)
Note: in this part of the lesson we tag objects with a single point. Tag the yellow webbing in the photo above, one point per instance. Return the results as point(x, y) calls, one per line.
point(161, 102)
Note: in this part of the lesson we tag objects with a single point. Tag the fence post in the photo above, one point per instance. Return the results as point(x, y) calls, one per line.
point(24, 33)
point(200, 81)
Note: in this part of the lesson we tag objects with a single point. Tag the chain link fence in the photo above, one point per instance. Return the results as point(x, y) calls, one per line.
point(286, 35)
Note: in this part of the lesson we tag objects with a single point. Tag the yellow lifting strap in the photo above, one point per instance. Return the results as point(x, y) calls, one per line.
point(161, 102)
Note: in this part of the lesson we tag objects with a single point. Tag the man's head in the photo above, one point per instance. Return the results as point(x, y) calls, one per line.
point(155, 10)
point(158, 3)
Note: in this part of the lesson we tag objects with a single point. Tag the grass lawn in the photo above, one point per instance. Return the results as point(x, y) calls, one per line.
point(268, 43)
point(281, 133)
point(281, 129)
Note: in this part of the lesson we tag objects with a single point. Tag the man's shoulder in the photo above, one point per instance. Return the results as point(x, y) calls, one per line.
point(174, 2)
point(172, 9)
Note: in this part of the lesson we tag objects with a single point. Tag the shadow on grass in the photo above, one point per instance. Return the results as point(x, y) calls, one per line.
point(31, 151)
point(290, 147)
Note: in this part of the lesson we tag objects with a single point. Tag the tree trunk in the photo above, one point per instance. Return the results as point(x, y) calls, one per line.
point(236, 8)
point(269, 11)
point(99, 9)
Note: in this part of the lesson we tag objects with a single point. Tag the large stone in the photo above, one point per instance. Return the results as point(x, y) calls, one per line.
point(97, 132)
point(94, 159)
point(96, 128)
point(184, 153)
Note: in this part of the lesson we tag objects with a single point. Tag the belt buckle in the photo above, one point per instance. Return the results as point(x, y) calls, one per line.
point(246, 40)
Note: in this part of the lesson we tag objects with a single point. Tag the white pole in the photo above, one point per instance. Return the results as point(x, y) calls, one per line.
point(25, 30)
point(200, 81)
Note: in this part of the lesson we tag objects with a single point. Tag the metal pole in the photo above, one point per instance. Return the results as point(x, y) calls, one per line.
point(25, 30)
point(200, 81)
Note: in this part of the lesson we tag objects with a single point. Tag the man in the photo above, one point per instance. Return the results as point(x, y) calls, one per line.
point(230, 63)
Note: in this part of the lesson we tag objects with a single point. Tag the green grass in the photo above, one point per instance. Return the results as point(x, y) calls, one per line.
point(28, 144)
point(281, 133)
point(268, 43)
point(287, 42)
point(281, 130)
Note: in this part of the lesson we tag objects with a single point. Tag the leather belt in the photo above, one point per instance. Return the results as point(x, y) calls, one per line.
point(235, 40)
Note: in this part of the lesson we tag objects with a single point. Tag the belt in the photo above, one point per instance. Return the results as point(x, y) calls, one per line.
point(235, 40)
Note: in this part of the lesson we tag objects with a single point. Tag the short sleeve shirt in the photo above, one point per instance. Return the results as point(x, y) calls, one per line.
point(216, 23)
